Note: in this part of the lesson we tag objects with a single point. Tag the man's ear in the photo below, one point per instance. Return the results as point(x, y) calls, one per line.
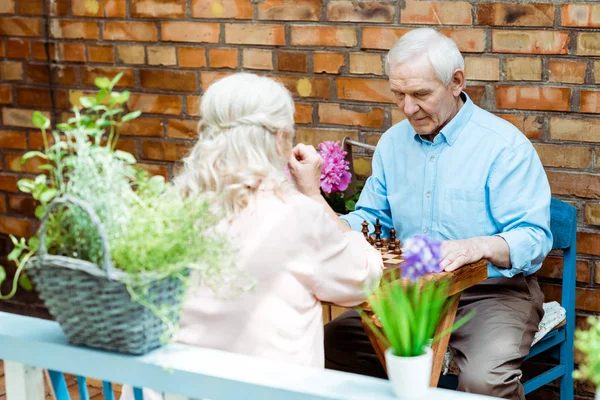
point(458, 82)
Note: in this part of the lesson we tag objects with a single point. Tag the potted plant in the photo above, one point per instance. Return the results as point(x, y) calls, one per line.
point(409, 310)
point(116, 248)
point(588, 343)
point(336, 178)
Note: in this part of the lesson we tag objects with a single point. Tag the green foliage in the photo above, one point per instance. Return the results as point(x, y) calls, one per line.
point(409, 313)
point(344, 202)
point(151, 229)
point(588, 342)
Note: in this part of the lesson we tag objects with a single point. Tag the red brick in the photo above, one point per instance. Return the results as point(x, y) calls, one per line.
point(508, 14)
point(134, 31)
point(369, 117)
point(101, 54)
point(482, 68)
point(592, 216)
point(436, 13)
point(164, 151)
point(59, 9)
point(328, 62)
point(524, 69)
point(3, 206)
point(8, 183)
point(366, 63)
point(14, 164)
point(223, 58)
point(155, 104)
point(161, 55)
point(581, 15)
point(533, 98)
point(91, 73)
point(228, 9)
point(314, 136)
point(209, 77)
point(131, 54)
point(22, 205)
point(13, 26)
point(575, 184)
point(303, 114)
point(143, 127)
point(38, 50)
point(347, 11)
point(377, 90)
point(562, 156)
point(381, 38)
point(262, 34)
point(33, 97)
point(566, 71)
point(13, 140)
point(590, 101)
point(193, 105)
point(98, 8)
point(158, 8)
point(66, 29)
point(531, 126)
point(128, 145)
point(154, 169)
point(290, 10)
point(306, 87)
point(7, 7)
point(195, 32)
point(588, 243)
point(258, 59)
point(292, 61)
point(169, 80)
point(588, 44)
point(476, 93)
point(587, 299)
point(535, 42)
point(580, 130)
point(74, 52)
point(552, 268)
point(18, 48)
point(182, 128)
point(597, 71)
point(5, 94)
point(19, 117)
point(2, 49)
point(15, 226)
point(30, 7)
point(191, 57)
point(323, 36)
point(467, 40)
point(11, 70)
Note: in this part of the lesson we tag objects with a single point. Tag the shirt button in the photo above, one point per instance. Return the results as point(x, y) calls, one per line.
point(425, 230)
point(431, 158)
point(428, 194)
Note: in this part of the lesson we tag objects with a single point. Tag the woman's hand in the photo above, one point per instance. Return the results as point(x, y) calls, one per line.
point(305, 168)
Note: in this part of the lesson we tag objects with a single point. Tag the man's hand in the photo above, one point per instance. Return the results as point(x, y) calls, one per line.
point(457, 253)
point(305, 168)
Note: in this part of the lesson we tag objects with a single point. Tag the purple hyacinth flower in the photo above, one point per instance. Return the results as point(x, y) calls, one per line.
point(335, 174)
point(422, 255)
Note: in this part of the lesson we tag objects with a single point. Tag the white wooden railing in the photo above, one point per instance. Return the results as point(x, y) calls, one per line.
point(29, 345)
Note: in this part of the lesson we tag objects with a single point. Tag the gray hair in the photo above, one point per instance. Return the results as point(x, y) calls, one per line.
point(236, 148)
point(440, 49)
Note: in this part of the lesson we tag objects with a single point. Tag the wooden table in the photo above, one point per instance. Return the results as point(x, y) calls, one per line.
point(461, 279)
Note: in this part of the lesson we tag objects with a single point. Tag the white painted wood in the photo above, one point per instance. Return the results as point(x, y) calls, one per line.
point(23, 382)
point(174, 397)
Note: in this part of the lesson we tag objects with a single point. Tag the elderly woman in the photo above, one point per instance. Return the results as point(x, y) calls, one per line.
point(286, 236)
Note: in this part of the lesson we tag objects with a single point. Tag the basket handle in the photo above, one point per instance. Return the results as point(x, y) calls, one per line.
point(107, 265)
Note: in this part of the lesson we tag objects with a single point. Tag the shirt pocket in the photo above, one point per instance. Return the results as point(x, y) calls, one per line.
point(463, 213)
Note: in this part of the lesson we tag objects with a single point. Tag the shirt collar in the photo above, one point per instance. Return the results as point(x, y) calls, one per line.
point(451, 131)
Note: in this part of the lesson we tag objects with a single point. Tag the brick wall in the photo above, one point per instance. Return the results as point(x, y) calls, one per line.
point(533, 63)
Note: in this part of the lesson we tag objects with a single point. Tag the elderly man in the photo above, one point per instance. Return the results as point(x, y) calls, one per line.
point(463, 175)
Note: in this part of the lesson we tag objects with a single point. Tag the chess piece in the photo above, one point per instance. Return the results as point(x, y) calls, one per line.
point(398, 246)
point(371, 240)
point(392, 245)
point(384, 243)
point(365, 229)
point(378, 243)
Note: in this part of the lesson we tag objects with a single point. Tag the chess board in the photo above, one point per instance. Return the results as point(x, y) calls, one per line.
point(390, 249)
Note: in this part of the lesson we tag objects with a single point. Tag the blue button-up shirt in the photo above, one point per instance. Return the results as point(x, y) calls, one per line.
point(479, 177)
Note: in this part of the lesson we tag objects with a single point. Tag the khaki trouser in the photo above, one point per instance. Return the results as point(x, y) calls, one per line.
point(490, 348)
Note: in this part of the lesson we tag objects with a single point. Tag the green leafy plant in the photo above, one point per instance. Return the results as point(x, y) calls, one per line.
point(151, 228)
point(345, 201)
point(588, 342)
point(410, 309)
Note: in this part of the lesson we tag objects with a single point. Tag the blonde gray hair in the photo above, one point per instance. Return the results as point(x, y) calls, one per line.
point(236, 149)
point(440, 50)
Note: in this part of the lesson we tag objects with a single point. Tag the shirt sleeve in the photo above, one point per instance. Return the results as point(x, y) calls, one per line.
point(520, 205)
point(347, 266)
point(373, 202)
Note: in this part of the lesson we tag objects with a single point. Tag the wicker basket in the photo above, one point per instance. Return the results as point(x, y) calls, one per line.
point(92, 304)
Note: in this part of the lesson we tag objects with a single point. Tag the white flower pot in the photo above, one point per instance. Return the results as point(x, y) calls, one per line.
point(409, 375)
point(598, 393)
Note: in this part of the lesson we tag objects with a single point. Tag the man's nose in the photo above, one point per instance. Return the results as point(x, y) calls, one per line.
point(410, 107)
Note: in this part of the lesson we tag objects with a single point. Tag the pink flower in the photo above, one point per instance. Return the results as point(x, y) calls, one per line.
point(335, 175)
